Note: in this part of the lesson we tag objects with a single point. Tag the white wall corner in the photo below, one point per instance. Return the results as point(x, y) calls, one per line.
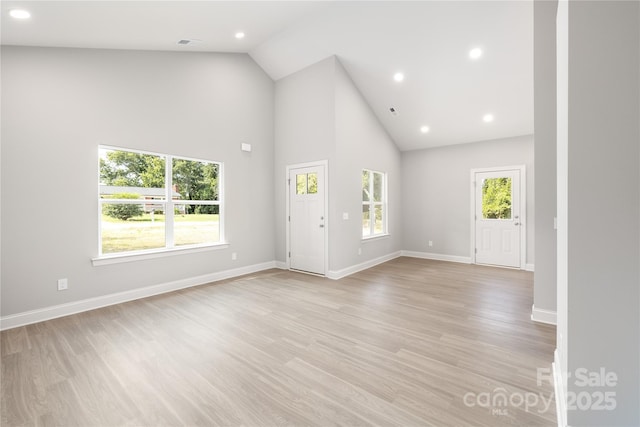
point(281, 265)
point(339, 274)
point(561, 399)
point(544, 316)
point(53, 312)
point(437, 257)
point(529, 267)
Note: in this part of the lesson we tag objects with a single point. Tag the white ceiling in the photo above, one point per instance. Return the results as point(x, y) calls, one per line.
point(428, 41)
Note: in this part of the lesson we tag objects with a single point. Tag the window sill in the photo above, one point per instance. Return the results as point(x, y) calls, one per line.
point(159, 253)
point(376, 237)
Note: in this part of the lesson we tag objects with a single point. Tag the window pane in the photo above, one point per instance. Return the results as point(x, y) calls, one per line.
point(366, 221)
point(377, 187)
point(125, 172)
point(301, 184)
point(196, 224)
point(194, 180)
point(379, 224)
point(496, 198)
point(312, 182)
point(131, 227)
point(134, 192)
point(365, 186)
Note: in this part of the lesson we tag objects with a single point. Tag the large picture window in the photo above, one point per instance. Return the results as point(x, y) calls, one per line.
point(150, 202)
point(374, 203)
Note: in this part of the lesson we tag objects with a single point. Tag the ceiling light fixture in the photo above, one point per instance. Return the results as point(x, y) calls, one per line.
point(475, 53)
point(487, 118)
point(239, 35)
point(398, 77)
point(19, 14)
point(424, 129)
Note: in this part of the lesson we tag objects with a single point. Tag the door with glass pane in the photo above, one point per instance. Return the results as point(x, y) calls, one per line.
point(498, 218)
point(307, 219)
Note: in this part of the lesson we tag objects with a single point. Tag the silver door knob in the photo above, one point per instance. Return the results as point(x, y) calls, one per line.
point(516, 223)
point(321, 225)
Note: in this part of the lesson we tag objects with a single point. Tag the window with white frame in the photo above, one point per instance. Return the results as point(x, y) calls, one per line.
point(374, 203)
point(150, 202)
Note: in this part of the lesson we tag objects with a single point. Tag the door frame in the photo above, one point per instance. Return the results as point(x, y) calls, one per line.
point(325, 165)
point(523, 210)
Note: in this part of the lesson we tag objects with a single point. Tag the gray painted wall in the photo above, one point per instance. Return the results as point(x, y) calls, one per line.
point(304, 132)
point(602, 170)
point(320, 115)
point(562, 158)
point(429, 213)
point(59, 104)
point(362, 143)
point(544, 76)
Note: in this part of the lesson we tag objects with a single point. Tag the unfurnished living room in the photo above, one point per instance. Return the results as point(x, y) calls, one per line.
point(314, 213)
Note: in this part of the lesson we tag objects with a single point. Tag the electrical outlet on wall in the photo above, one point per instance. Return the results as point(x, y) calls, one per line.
point(430, 243)
point(234, 256)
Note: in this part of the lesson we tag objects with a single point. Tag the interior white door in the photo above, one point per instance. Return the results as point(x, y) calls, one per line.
point(497, 218)
point(307, 219)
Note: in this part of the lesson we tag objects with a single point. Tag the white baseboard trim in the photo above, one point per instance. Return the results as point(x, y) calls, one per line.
point(561, 399)
point(53, 312)
point(544, 316)
point(529, 267)
point(281, 265)
point(339, 274)
point(437, 257)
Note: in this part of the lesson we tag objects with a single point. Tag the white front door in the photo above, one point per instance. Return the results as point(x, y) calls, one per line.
point(498, 223)
point(307, 219)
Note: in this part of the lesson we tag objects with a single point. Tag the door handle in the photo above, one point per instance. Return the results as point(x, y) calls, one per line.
point(321, 225)
point(516, 223)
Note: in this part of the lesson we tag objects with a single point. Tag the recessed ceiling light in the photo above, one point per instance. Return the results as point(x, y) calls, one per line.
point(19, 14)
point(424, 129)
point(475, 53)
point(239, 35)
point(398, 77)
point(487, 118)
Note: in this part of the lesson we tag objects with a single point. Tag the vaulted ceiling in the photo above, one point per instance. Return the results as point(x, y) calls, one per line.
point(427, 41)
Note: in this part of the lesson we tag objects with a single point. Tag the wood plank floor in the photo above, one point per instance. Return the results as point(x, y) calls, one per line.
point(411, 343)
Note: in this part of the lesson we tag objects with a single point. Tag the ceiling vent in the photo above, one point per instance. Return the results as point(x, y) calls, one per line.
point(393, 111)
point(185, 42)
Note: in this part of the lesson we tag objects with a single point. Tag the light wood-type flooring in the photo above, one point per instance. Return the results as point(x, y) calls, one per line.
point(408, 343)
